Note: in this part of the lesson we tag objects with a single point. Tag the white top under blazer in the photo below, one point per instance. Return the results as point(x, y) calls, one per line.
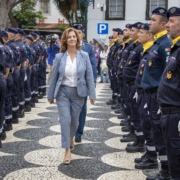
point(70, 75)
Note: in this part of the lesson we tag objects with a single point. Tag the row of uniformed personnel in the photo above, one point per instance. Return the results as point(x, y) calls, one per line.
point(22, 75)
point(144, 69)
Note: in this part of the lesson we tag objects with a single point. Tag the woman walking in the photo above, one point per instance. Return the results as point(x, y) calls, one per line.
point(71, 81)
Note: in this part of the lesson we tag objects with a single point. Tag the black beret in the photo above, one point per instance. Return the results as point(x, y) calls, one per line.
point(173, 11)
point(30, 38)
point(118, 30)
point(160, 11)
point(136, 25)
point(128, 26)
point(78, 27)
point(110, 37)
point(145, 26)
point(12, 30)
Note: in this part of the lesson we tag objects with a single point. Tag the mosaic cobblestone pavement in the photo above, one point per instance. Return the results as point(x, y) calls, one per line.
point(32, 150)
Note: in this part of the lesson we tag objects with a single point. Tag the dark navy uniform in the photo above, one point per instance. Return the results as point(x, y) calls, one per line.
point(2, 88)
point(156, 62)
point(169, 101)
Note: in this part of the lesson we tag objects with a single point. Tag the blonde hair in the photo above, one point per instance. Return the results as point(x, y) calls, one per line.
point(64, 39)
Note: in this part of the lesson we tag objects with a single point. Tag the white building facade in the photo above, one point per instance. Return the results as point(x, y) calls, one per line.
point(117, 13)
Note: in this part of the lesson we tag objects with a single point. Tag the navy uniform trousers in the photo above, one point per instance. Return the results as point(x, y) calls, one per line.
point(156, 128)
point(32, 83)
point(27, 87)
point(172, 136)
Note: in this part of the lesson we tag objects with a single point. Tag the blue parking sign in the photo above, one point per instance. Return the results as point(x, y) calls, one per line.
point(102, 28)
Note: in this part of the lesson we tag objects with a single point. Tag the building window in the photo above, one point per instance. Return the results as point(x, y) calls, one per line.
point(115, 9)
point(45, 6)
point(152, 4)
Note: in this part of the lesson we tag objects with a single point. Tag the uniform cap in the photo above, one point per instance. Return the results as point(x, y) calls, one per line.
point(136, 25)
point(145, 26)
point(128, 26)
point(118, 30)
point(34, 34)
point(30, 38)
point(1, 33)
point(42, 38)
point(110, 37)
point(173, 11)
point(4, 34)
point(78, 27)
point(160, 11)
point(37, 32)
point(12, 30)
point(20, 31)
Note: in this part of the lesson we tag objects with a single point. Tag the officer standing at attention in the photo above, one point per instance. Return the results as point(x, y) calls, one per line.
point(16, 68)
point(110, 59)
point(149, 159)
point(169, 95)
point(156, 62)
point(89, 49)
point(2, 89)
point(22, 72)
point(129, 75)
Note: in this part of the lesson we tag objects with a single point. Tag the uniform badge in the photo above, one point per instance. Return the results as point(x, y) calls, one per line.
point(118, 57)
point(121, 66)
point(150, 63)
point(125, 60)
point(129, 62)
point(141, 72)
point(142, 65)
point(169, 75)
point(112, 52)
point(161, 11)
point(173, 10)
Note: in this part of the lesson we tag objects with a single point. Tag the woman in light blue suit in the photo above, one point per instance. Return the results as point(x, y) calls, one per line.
point(71, 81)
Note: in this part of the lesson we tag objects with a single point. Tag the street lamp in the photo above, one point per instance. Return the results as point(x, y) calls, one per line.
point(86, 4)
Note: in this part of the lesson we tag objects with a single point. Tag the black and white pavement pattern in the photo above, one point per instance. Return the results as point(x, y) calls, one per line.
point(32, 150)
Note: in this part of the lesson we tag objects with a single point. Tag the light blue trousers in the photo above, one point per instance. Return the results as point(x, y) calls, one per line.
point(69, 107)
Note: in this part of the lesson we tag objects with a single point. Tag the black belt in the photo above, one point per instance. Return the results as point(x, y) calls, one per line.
point(130, 83)
point(170, 110)
point(149, 91)
point(140, 91)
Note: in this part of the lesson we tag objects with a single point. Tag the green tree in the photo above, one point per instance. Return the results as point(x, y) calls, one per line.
point(25, 15)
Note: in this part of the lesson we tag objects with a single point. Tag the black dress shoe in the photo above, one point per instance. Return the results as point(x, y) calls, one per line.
point(126, 129)
point(128, 138)
point(21, 113)
point(2, 135)
point(138, 160)
point(136, 146)
point(125, 120)
point(15, 121)
point(124, 123)
point(119, 111)
point(27, 108)
point(116, 106)
point(36, 100)
point(32, 104)
point(8, 127)
point(78, 139)
point(44, 93)
point(121, 116)
point(0, 144)
point(129, 134)
point(147, 162)
point(40, 96)
point(100, 81)
point(162, 175)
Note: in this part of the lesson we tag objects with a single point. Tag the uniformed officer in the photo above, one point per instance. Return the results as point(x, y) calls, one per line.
point(42, 69)
point(22, 75)
point(149, 159)
point(111, 57)
point(89, 49)
point(9, 80)
point(2, 87)
point(16, 68)
point(156, 62)
point(169, 95)
point(129, 76)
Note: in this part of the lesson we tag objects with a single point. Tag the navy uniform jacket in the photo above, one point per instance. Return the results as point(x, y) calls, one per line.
point(22, 50)
point(141, 69)
point(112, 54)
point(156, 63)
point(33, 55)
point(2, 60)
point(28, 53)
point(36, 47)
point(169, 87)
point(124, 56)
point(44, 54)
point(132, 64)
point(117, 58)
point(16, 50)
point(89, 49)
point(9, 56)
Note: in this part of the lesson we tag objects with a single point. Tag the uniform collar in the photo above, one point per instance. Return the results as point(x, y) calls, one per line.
point(127, 40)
point(115, 40)
point(134, 42)
point(147, 46)
point(176, 41)
point(159, 35)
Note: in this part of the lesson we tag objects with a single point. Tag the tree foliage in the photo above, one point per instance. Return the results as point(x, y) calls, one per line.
point(25, 14)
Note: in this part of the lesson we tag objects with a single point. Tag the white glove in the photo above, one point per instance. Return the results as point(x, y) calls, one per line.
point(145, 106)
point(179, 127)
point(135, 96)
point(159, 111)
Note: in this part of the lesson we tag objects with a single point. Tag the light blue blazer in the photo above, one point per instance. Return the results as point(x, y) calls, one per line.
point(85, 81)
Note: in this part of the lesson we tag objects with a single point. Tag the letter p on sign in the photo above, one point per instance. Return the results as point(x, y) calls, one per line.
point(102, 28)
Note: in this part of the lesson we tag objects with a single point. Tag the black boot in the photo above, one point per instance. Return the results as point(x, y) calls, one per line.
point(138, 160)
point(40, 96)
point(121, 116)
point(124, 123)
point(2, 135)
point(116, 106)
point(129, 138)
point(125, 120)
point(162, 175)
point(0, 144)
point(126, 129)
point(137, 146)
point(21, 113)
point(148, 162)
point(44, 93)
point(36, 99)
point(15, 121)
point(32, 104)
point(111, 102)
point(8, 127)
point(119, 111)
point(27, 108)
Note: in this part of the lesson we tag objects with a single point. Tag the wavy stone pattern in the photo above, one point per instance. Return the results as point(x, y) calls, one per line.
point(39, 156)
